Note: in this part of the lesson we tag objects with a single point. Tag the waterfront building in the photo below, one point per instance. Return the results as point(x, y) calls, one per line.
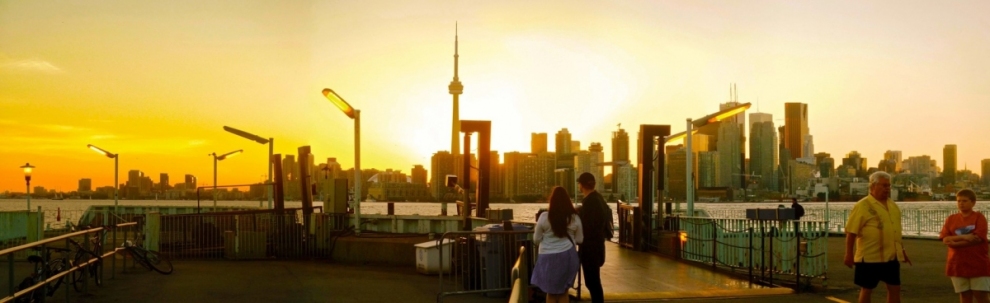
point(418, 174)
point(85, 185)
point(708, 164)
point(676, 179)
point(163, 183)
point(985, 169)
point(496, 182)
point(590, 161)
point(856, 161)
point(795, 128)
point(535, 175)
point(763, 157)
point(731, 148)
point(826, 165)
point(949, 160)
point(894, 157)
point(441, 165)
point(190, 182)
point(620, 155)
point(510, 172)
point(538, 143)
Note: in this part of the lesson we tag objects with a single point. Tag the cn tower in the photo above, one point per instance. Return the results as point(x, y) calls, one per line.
point(455, 88)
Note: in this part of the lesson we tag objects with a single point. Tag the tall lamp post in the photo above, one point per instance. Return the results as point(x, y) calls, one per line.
point(215, 160)
point(27, 179)
point(115, 158)
point(354, 114)
point(271, 150)
point(691, 128)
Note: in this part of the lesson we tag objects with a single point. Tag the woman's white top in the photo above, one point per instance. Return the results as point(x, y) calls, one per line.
point(549, 242)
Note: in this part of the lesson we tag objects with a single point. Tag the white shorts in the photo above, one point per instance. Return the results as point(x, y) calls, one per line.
point(967, 284)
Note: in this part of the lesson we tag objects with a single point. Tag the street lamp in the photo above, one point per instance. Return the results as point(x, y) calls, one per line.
point(271, 150)
point(692, 126)
point(356, 116)
point(27, 179)
point(115, 158)
point(215, 159)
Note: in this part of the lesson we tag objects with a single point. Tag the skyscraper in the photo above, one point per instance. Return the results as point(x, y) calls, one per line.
point(496, 182)
point(456, 89)
point(949, 160)
point(565, 157)
point(510, 170)
point(677, 174)
point(620, 146)
point(86, 185)
point(190, 182)
point(894, 157)
point(441, 165)
point(795, 128)
point(763, 157)
point(538, 143)
point(708, 169)
point(597, 156)
point(163, 183)
point(730, 149)
point(985, 172)
point(418, 175)
point(856, 161)
point(826, 165)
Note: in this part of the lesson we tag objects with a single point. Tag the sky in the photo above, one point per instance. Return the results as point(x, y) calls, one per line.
point(156, 81)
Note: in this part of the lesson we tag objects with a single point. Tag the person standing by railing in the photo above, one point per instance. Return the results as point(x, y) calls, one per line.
point(592, 252)
point(874, 229)
point(557, 233)
point(968, 262)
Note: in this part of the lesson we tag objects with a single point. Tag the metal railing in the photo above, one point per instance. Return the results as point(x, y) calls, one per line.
point(761, 249)
point(922, 223)
point(520, 278)
point(481, 262)
point(257, 234)
point(63, 241)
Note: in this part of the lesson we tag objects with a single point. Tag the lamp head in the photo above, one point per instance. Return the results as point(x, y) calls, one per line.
point(228, 155)
point(451, 181)
point(339, 102)
point(101, 151)
point(246, 135)
point(27, 170)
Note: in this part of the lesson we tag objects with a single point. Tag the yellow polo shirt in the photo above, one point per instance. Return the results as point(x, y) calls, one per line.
point(877, 229)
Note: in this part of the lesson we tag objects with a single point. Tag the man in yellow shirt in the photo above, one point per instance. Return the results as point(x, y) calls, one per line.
point(874, 227)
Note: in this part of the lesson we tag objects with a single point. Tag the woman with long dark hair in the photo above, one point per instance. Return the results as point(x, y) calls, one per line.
point(557, 232)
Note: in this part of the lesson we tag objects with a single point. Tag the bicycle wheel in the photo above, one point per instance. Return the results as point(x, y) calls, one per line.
point(77, 276)
point(34, 296)
point(139, 256)
point(55, 267)
point(158, 262)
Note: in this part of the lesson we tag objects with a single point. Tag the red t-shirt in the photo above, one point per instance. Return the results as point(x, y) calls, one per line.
point(969, 261)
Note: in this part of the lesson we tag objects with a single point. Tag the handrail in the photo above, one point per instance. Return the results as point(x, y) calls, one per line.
point(64, 272)
point(520, 278)
point(49, 240)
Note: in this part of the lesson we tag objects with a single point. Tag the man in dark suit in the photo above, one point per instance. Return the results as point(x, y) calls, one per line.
point(592, 251)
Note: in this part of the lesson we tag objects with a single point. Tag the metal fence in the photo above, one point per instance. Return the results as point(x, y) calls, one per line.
point(922, 223)
point(764, 250)
point(481, 262)
point(258, 234)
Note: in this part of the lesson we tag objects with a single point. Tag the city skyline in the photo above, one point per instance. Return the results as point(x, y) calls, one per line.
point(98, 76)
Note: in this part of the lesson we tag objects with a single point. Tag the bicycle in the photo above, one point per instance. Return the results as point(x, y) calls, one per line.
point(152, 260)
point(83, 256)
point(42, 271)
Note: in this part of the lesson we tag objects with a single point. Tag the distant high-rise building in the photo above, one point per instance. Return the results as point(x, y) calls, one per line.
point(895, 157)
point(85, 185)
point(441, 165)
point(510, 173)
point(826, 165)
point(627, 182)
point(418, 174)
point(763, 157)
point(290, 170)
point(190, 182)
point(565, 177)
point(795, 128)
point(538, 143)
point(575, 146)
point(496, 182)
point(808, 151)
point(163, 183)
point(708, 169)
point(949, 160)
point(730, 149)
point(535, 175)
point(565, 157)
point(676, 179)
point(456, 88)
point(589, 161)
point(755, 118)
point(620, 155)
point(855, 160)
point(985, 172)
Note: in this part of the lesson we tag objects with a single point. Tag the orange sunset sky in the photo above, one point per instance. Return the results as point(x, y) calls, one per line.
point(155, 81)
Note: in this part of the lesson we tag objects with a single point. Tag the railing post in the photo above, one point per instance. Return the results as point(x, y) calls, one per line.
point(797, 258)
point(714, 243)
point(917, 219)
point(750, 255)
point(10, 266)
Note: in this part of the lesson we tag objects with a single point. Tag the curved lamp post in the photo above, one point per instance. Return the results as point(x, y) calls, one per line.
point(215, 159)
point(692, 125)
point(115, 158)
point(27, 179)
point(271, 150)
point(356, 115)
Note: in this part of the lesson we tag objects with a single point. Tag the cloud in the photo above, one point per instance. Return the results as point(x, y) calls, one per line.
point(32, 65)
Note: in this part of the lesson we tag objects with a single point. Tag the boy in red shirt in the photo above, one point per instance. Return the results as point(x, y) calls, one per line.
point(968, 263)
